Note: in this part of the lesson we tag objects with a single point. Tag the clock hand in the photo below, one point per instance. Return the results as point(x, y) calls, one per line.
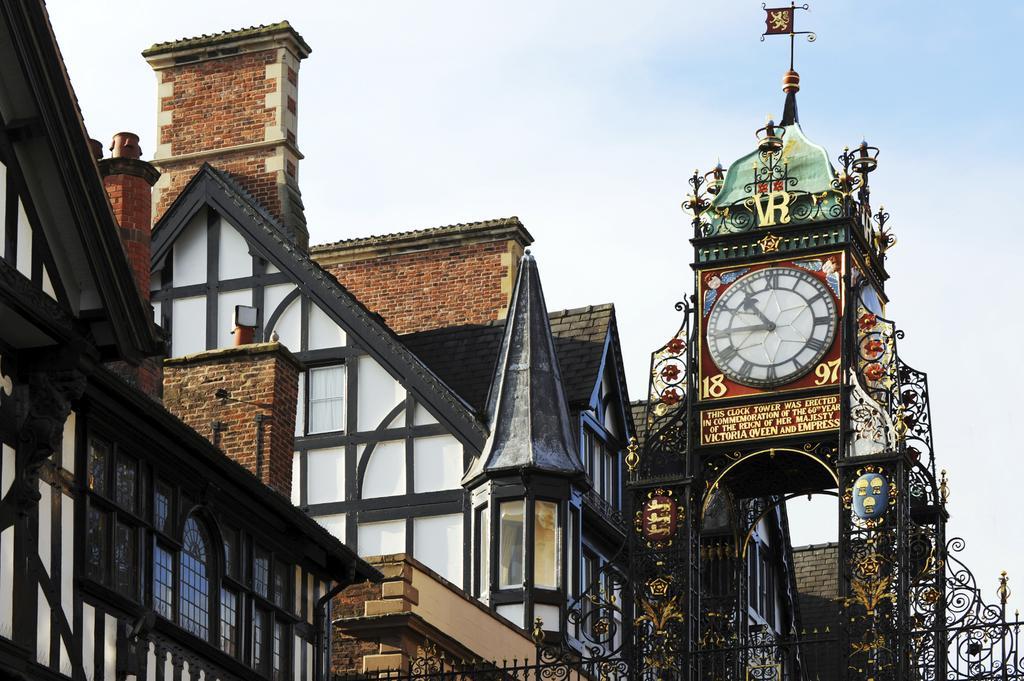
point(749, 304)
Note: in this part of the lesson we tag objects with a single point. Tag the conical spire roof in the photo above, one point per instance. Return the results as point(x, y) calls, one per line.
point(527, 410)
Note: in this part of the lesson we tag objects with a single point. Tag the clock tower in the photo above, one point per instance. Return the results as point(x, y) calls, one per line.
point(784, 381)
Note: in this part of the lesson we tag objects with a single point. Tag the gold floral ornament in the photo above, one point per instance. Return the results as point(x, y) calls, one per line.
point(870, 565)
point(660, 615)
point(769, 243)
point(944, 487)
point(632, 457)
point(870, 594)
point(930, 596)
point(658, 587)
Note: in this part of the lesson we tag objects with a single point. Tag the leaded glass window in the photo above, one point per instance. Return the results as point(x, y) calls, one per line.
point(231, 547)
point(229, 622)
point(163, 582)
point(277, 659)
point(260, 634)
point(162, 507)
point(261, 572)
point(194, 582)
point(99, 454)
point(125, 479)
point(97, 525)
point(280, 584)
point(125, 560)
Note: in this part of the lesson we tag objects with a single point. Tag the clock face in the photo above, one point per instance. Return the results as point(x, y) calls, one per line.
point(771, 326)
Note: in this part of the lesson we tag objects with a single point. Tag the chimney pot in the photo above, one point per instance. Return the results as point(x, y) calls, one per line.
point(96, 147)
point(126, 145)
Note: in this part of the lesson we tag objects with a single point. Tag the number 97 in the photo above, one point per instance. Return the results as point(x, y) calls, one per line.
point(827, 372)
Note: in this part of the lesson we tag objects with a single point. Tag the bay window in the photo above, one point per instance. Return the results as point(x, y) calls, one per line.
point(512, 521)
point(546, 547)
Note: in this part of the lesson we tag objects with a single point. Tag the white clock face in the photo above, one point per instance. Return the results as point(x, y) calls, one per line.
point(771, 326)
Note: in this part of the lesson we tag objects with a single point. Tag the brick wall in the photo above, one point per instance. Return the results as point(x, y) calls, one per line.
point(447, 276)
point(252, 376)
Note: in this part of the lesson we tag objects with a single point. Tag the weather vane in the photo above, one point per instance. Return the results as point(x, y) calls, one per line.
point(779, 21)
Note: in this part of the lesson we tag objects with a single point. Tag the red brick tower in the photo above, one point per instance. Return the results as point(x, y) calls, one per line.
point(230, 99)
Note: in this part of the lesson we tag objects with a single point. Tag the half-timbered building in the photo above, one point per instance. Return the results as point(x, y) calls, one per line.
point(130, 546)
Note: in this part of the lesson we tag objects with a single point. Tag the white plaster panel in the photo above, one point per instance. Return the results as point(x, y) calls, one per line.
point(42, 629)
point(438, 544)
point(225, 312)
point(156, 313)
point(380, 539)
point(322, 332)
point(109, 648)
point(89, 640)
point(271, 268)
point(189, 324)
point(289, 326)
point(67, 558)
point(233, 257)
point(335, 524)
point(549, 615)
point(7, 550)
point(438, 463)
point(378, 394)
point(385, 471)
point(300, 410)
point(422, 417)
point(48, 284)
point(23, 258)
point(513, 612)
point(3, 202)
point(325, 469)
point(45, 532)
point(189, 253)
point(67, 444)
point(296, 478)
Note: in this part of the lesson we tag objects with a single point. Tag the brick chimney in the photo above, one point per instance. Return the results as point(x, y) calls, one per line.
point(429, 278)
point(128, 181)
point(242, 399)
point(231, 99)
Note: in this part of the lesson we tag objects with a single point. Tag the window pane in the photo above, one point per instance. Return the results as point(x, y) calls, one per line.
point(194, 610)
point(231, 552)
point(229, 622)
point(545, 542)
point(125, 482)
point(125, 560)
point(277, 668)
point(162, 507)
point(484, 559)
point(163, 582)
point(260, 624)
point(510, 560)
point(261, 572)
point(280, 584)
point(96, 545)
point(326, 399)
point(99, 452)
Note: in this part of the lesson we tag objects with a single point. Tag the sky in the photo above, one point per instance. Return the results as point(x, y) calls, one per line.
point(586, 117)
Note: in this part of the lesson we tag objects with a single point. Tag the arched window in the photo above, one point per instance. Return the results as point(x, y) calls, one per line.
point(194, 582)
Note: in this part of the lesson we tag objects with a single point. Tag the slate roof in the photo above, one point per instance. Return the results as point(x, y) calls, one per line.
point(224, 37)
point(527, 411)
point(213, 187)
point(460, 229)
point(817, 585)
point(464, 356)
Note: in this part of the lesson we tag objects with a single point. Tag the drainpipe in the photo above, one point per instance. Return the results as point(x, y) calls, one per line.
point(322, 626)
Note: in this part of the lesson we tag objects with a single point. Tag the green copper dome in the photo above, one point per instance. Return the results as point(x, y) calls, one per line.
point(794, 185)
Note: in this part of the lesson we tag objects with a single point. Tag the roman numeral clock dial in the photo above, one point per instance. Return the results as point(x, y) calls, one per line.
point(771, 327)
